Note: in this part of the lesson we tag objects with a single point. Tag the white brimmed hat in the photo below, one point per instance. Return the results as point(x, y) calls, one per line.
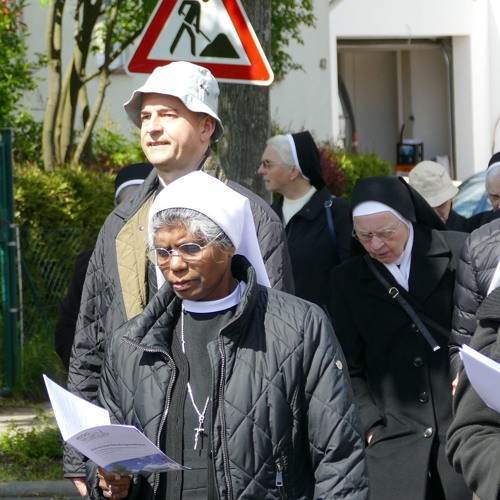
point(433, 182)
point(194, 85)
point(228, 209)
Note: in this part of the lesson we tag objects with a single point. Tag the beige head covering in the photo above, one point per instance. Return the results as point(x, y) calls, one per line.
point(433, 182)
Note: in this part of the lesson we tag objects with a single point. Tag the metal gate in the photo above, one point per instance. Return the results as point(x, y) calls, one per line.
point(9, 351)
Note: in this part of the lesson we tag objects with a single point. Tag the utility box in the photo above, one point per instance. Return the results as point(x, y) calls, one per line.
point(408, 154)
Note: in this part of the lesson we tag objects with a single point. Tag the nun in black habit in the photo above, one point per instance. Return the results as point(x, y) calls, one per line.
point(318, 225)
point(397, 353)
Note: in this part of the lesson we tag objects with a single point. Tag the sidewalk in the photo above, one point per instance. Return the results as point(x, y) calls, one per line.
point(23, 417)
point(32, 490)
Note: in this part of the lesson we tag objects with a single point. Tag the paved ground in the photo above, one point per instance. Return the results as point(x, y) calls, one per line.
point(23, 417)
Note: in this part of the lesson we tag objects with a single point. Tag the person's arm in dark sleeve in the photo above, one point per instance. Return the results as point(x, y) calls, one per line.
point(334, 429)
point(64, 332)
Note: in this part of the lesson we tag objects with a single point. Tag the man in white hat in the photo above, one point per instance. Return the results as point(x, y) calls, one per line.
point(433, 182)
point(176, 111)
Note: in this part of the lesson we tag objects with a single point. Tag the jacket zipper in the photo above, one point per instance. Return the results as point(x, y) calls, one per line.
point(279, 479)
point(225, 453)
point(169, 394)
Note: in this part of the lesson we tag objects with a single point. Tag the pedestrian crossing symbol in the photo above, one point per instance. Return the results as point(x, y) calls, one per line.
point(215, 34)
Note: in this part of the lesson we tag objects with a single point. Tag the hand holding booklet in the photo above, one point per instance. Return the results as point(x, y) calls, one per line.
point(484, 375)
point(116, 448)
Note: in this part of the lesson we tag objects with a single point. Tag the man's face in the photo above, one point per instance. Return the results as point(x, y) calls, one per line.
point(174, 139)
point(493, 190)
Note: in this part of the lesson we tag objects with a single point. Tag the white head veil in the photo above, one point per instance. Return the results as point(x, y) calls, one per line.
point(224, 206)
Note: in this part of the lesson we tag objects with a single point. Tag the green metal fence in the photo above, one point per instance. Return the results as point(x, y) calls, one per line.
point(10, 347)
point(35, 269)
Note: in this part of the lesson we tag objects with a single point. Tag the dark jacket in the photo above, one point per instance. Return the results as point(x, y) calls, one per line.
point(311, 247)
point(474, 437)
point(64, 332)
point(280, 396)
point(457, 222)
point(116, 286)
point(399, 383)
point(478, 260)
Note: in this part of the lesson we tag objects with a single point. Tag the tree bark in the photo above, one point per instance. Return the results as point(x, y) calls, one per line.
point(53, 47)
point(244, 111)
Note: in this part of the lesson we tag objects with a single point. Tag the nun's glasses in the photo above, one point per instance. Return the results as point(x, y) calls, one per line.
point(383, 235)
point(188, 252)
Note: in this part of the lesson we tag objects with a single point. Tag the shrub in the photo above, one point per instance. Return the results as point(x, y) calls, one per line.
point(112, 149)
point(342, 169)
point(31, 454)
point(59, 214)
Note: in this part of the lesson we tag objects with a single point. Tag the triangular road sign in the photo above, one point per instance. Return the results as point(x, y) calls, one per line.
point(215, 34)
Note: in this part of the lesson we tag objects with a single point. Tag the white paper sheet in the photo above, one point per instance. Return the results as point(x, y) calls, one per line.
point(484, 375)
point(116, 448)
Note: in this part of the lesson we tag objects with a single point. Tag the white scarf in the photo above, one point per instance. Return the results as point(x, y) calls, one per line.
point(400, 269)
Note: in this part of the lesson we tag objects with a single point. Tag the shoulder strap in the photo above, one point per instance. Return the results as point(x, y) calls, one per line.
point(331, 226)
point(394, 293)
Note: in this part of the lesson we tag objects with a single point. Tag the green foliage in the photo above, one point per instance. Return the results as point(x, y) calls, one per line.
point(342, 169)
point(59, 214)
point(69, 196)
point(38, 356)
point(288, 17)
point(31, 454)
point(112, 149)
point(355, 165)
point(17, 70)
point(27, 136)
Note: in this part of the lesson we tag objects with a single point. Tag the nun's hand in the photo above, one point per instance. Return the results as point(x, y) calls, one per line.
point(113, 485)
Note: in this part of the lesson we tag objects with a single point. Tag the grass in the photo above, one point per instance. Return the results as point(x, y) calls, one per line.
point(33, 454)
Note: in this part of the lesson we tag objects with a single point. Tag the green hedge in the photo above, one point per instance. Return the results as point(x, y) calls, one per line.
point(59, 214)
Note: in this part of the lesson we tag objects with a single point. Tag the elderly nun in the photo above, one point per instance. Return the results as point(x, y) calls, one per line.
point(391, 310)
point(318, 225)
point(243, 384)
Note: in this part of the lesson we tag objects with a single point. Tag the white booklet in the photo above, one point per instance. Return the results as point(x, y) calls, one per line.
point(484, 375)
point(117, 448)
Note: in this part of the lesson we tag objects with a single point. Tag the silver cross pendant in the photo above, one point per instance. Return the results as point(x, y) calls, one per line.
point(199, 431)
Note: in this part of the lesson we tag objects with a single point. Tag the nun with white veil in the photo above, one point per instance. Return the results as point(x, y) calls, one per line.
point(391, 310)
point(242, 384)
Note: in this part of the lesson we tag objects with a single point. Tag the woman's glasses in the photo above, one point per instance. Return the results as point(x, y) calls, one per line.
point(383, 235)
point(188, 252)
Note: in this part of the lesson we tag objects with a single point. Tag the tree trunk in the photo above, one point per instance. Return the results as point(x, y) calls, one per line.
point(53, 47)
point(244, 111)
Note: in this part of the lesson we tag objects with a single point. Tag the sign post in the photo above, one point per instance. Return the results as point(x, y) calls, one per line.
point(215, 34)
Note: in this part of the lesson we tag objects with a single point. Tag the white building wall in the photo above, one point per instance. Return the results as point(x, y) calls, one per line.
point(303, 99)
point(310, 99)
point(473, 27)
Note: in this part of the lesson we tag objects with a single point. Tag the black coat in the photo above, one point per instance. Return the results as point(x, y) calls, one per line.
point(474, 437)
point(280, 392)
point(311, 247)
point(116, 287)
point(398, 381)
point(64, 332)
